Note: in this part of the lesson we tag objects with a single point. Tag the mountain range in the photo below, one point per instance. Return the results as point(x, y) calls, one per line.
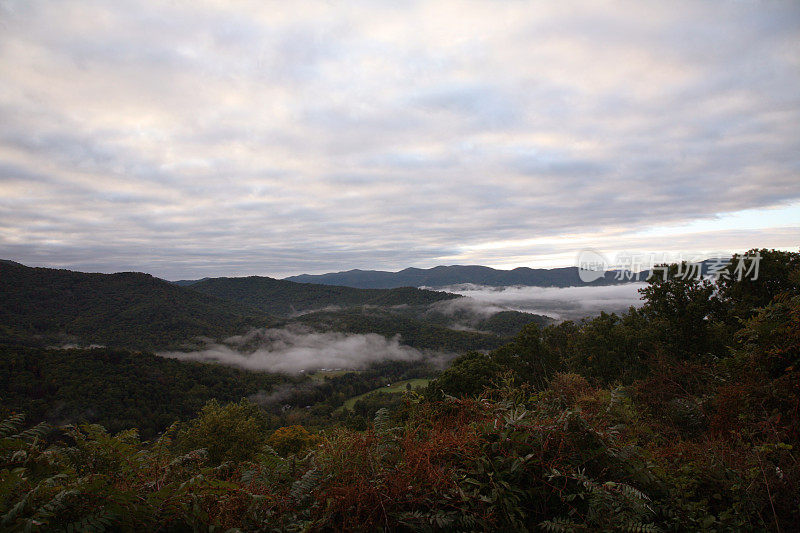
point(442, 276)
point(45, 306)
point(285, 298)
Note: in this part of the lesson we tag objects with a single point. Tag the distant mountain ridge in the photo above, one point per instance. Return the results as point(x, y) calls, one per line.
point(442, 276)
point(45, 306)
point(285, 298)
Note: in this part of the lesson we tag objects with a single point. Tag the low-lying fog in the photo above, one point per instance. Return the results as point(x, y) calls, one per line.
point(561, 303)
point(296, 349)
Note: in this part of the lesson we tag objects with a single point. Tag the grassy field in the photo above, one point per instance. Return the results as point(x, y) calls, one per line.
point(400, 386)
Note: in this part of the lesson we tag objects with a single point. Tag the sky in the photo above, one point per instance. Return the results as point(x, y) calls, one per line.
point(202, 138)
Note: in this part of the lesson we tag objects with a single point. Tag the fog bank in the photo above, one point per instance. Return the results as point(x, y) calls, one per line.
point(561, 303)
point(296, 349)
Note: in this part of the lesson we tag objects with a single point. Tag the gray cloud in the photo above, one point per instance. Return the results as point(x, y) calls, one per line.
point(467, 307)
point(204, 138)
point(296, 349)
point(561, 303)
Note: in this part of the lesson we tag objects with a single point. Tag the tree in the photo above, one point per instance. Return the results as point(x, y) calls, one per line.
point(292, 439)
point(232, 432)
point(530, 357)
point(778, 273)
point(469, 375)
point(679, 307)
point(611, 348)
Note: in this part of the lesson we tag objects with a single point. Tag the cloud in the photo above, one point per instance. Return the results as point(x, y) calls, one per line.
point(563, 303)
point(204, 138)
point(467, 307)
point(297, 349)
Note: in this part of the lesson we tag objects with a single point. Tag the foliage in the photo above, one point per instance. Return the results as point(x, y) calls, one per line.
point(117, 388)
point(232, 432)
point(509, 324)
point(469, 375)
point(291, 440)
point(569, 387)
point(678, 306)
point(778, 273)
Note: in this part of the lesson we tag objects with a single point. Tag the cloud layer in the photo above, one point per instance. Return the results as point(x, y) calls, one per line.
point(562, 303)
point(293, 350)
point(205, 138)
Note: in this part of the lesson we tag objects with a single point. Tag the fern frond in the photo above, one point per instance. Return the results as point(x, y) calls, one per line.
point(640, 528)
point(303, 487)
point(11, 424)
point(94, 523)
point(36, 432)
point(11, 515)
point(381, 421)
point(51, 508)
point(559, 525)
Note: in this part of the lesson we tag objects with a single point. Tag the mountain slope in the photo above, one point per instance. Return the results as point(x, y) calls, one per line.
point(413, 332)
point(285, 298)
point(126, 309)
point(404, 311)
point(117, 388)
point(442, 276)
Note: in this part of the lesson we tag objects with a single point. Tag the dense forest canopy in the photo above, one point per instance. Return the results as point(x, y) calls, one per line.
point(285, 298)
point(44, 307)
point(129, 309)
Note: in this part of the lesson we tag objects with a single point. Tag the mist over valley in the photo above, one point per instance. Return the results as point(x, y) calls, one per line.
point(558, 303)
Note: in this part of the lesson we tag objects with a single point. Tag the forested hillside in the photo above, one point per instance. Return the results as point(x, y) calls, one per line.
point(286, 298)
point(130, 309)
point(41, 306)
point(504, 324)
point(683, 415)
point(414, 331)
point(117, 388)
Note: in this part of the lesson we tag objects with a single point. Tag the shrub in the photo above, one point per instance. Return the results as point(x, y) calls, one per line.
point(292, 440)
point(569, 386)
point(231, 432)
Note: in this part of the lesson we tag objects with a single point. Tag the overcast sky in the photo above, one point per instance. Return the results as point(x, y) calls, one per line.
point(191, 139)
